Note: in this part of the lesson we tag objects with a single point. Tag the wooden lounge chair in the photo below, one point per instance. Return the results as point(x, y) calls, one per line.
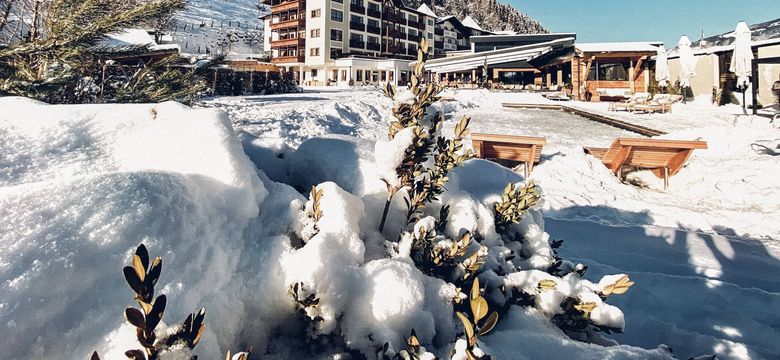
point(664, 157)
point(524, 149)
point(659, 103)
point(628, 105)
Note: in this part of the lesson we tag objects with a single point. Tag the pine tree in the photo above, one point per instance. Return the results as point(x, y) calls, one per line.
point(66, 64)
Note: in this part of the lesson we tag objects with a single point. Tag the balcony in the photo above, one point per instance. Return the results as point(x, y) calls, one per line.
point(393, 16)
point(357, 8)
point(357, 26)
point(395, 33)
point(394, 49)
point(415, 38)
point(289, 5)
point(438, 44)
point(411, 51)
point(373, 29)
point(287, 59)
point(288, 42)
point(373, 46)
point(438, 31)
point(464, 47)
point(415, 24)
point(358, 44)
point(375, 13)
point(292, 23)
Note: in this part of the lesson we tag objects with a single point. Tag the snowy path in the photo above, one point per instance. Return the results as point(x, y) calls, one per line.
point(694, 292)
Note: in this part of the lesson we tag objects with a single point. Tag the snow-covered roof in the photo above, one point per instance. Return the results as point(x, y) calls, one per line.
point(618, 47)
point(500, 56)
point(134, 38)
point(469, 22)
point(426, 10)
point(766, 33)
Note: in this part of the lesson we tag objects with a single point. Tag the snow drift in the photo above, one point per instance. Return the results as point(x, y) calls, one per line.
point(82, 186)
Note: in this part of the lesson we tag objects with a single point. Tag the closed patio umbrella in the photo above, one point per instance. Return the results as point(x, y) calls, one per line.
point(662, 68)
point(687, 63)
point(742, 58)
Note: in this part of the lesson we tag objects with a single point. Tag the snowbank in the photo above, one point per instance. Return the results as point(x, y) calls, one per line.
point(82, 186)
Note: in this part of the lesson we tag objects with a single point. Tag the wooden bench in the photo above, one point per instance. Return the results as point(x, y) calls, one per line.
point(524, 149)
point(664, 157)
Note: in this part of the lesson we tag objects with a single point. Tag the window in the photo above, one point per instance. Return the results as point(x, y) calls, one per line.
point(313, 73)
point(338, 1)
point(335, 74)
point(430, 36)
point(314, 52)
point(335, 53)
point(412, 18)
point(359, 76)
point(373, 6)
point(316, 13)
point(343, 75)
point(412, 48)
point(430, 22)
point(609, 71)
point(412, 32)
point(315, 33)
point(336, 35)
point(373, 23)
point(356, 37)
point(337, 15)
point(356, 19)
point(358, 3)
point(373, 40)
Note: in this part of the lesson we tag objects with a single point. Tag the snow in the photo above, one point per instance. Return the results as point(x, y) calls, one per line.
point(425, 9)
point(213, 26)
point(469, 22)
point(618, 47)
point(82, 186)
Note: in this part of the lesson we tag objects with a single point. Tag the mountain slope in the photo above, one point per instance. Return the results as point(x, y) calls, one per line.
point(217, 25)
point(489, 14)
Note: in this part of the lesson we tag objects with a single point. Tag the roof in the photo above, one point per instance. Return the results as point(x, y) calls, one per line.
point(133, 38)
point(469, 22)
point(762, 34)
point(514, 37)
point(650, 47)
point(426, 10)
point(501, 56)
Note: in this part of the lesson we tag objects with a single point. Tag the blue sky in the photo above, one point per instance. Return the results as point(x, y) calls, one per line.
point(646, 20)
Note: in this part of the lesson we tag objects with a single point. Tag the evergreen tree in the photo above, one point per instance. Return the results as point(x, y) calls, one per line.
point(65, 63)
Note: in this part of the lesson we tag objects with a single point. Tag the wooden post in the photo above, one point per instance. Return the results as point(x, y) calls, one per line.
point(666, 178)
point(755, 82)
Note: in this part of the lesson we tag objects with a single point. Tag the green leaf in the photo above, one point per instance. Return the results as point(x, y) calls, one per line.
point(135, 317)
point(466, 324)
point(490, 323)
point(479, 308)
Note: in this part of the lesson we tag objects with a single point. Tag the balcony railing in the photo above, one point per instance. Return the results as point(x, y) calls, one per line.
point(438, 31)
point(357, 26)
point(288, 5)
point(375, 13)
point(287, 59)
point(373, 29)
point(359, 44)
point(415, 38)
point(438, 44)
point(393, 16)
point(414, 24)
point(357, 8)
point(293, 23)
point(372, 46)
point(395, 33)
point(411, 51)
point(394, 49)
point(288, 42)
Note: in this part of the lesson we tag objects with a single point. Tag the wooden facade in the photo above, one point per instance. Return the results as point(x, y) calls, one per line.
point(571, 70)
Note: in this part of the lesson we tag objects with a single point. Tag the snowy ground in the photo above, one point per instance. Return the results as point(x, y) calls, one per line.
point(81, 186)
point(705, 252)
